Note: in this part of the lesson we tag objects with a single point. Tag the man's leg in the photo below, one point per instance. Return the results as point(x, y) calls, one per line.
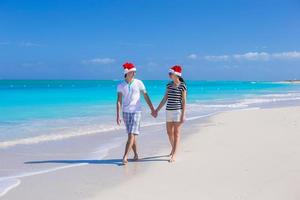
point(136, 130)
point(134, 148)
point(128, 147)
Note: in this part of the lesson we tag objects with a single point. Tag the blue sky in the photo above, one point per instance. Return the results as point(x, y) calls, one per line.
point(90, 39)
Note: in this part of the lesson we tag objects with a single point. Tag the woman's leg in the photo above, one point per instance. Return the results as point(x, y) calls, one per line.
point(170, 129)
point(176, 133)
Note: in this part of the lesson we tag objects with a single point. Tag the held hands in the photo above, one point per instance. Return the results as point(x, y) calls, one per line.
point(154, 113)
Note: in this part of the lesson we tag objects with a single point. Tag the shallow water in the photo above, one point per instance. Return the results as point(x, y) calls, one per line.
point(33, 111)
point(51, 121)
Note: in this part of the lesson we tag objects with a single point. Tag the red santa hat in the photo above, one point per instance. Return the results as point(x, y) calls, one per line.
point(176, 70)
point(129, 67)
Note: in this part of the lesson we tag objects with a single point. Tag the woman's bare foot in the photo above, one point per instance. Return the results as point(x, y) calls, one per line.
point(124, 161)
point(136, 157)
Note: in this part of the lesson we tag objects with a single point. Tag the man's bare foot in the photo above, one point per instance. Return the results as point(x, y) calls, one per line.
point(171, 153)
point(136, 157)
point(172, 159)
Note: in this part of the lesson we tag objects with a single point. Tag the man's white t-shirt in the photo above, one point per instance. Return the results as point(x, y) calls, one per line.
point(131, 93)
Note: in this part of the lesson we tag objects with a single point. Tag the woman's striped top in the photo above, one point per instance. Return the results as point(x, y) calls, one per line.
point(174, 100)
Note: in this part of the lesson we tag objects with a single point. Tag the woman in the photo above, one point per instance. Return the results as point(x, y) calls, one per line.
point(175, 97)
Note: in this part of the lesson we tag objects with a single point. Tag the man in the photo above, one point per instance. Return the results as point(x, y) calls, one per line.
point(129, 99)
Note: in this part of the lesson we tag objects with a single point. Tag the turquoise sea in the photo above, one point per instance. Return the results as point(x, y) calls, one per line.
point(41, 120)
point(44, 110)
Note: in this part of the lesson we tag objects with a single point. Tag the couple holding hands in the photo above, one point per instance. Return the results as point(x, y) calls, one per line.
point(128, 103)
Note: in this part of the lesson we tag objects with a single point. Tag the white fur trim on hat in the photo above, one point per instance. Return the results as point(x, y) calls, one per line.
point(173, 72)
point(129, 70)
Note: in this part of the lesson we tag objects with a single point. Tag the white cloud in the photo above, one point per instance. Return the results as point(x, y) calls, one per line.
point(4, 43)
point(152, 64)
point(21, 44)
point(29, 44)
point(137, 44)
point(217, 58)
point(287, 55)
point(192, 56)
point(32, 64)
point(100, 61)
point(255, 56)
point(252, 56)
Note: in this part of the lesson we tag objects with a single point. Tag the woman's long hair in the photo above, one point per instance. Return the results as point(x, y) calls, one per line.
point(181, 79)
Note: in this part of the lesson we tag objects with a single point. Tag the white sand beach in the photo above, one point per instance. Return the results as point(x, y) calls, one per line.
point(246, 154)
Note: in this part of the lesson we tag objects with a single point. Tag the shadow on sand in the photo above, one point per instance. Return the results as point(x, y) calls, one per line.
point(117, 162)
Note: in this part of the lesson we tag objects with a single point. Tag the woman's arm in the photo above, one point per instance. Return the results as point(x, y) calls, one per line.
point(163, 102)
point(119, 104)
point(148, 100)
point(183, 106)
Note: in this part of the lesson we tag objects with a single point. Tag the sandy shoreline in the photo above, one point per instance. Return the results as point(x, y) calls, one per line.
point(248, 154)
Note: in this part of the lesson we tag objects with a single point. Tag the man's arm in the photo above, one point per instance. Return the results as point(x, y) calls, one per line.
point(119, 105)
point(147, 98)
